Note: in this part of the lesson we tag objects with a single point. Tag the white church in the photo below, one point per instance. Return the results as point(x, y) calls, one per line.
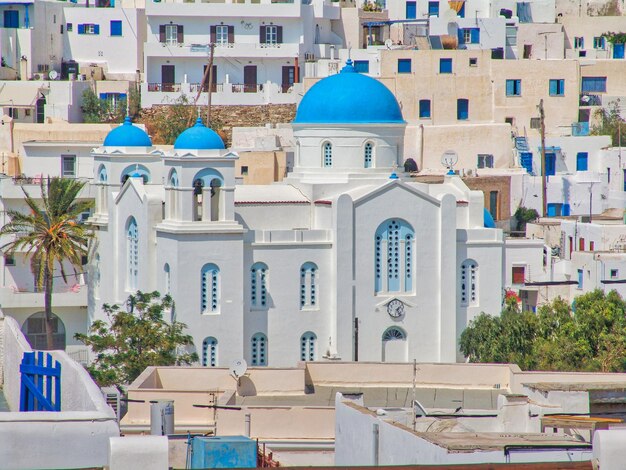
point(346, 259)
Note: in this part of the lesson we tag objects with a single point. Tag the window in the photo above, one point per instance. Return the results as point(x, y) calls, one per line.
point(592, 246)
point(579, 42)
point(209, 352)
point(535, 123)
point(593, 84)
point(114, 100)
point(473, 61)
point(550, 164)
point(308, 285)
point(244, 170)
point(411, 10)
point(433, 8)
point(327, 149)
point(34, 329)
point(132, 254)
point(116, 28)
point(27, 112)
point(557, 87)
point(581, 244)
point(614, 273)
point(424, 109)
point(469, 36)
point(514, 87)
point(171, 34)
point(258, 285)
point(271, 34)
point(11, 19)
point(68, 166)
point(445, 65)
point(580, 279)
point(307, 346)
point(167, 279)
point(461, 12)
point(221, 34)
point(259, 350)
point(367, 155)
point(209, 288)
point(581, 161)
point(404, 65)
point(469, 282)
point(14, 113)
point(393, 257)
point(462, 109)
point(518, 274)
point(9, 260)
point(69, 27)
point(88, 28)
point(393, 333)
point(362, 66)
point(598, 42)
point(485, 160)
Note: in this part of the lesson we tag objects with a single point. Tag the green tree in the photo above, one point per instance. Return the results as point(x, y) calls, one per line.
point(92, 107)
point(50, 235)
point(610, 122)
point(524, 215)
point(134, 338)
point(171, 120)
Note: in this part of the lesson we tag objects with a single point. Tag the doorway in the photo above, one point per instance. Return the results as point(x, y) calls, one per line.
point(249, 79)
point(289, 77)
point(168, 73)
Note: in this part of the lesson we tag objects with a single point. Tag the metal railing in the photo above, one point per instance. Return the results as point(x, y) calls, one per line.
point(164, 87)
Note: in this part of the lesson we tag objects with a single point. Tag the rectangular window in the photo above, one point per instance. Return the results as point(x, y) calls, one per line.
point(581, 244)
point(557, 87)
point(550, 165)
point(424, 111)
point(581, 161)
point(598, 42)
point(13, 113)
point(69, 166)
point(592, 246)
point(433, 8)
point(445, 65)
point(462, 109)
point(116, 28)
point(9, 260)
point(411, 10)
point(469, 36)
point(473, 62)
point(88, 28)
point(271, 34)
point(69, 27)
point(514, 87)
point(580, 279)
point(169, 33)
point(614, 273)
point(485, 160)
point(221, 34)
point(11, 19)
point(518, 274)
point(593, 84)
point(244, 170)
point(362, 66)
point(579, 42)
point(404, 65)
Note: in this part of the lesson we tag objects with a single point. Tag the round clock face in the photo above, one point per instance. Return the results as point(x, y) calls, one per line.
point(395, 308)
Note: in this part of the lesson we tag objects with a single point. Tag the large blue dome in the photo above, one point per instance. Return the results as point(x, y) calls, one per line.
point(199, 137)
point(349, 97)
point(127, 135)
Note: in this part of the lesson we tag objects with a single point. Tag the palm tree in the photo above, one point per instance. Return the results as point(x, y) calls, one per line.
point(50, 234)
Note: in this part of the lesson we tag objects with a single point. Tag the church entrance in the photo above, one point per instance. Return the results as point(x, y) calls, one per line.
point(395, 345)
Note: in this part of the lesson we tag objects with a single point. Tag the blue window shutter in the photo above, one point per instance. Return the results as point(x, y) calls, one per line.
point(116, 28)
point(81, 29)
point(461, 34)
point(581, 161)
point(550, 164)
point(475, 36)
point(424, 109)
point(103, 96)
point(551, 209)
point(510, 87)
point(96, 29)
point(404, 65)
point(445, 65)
point(362, 66)
point(565, 210)
point(618, 51)
point(462, 109)
point(553, 86)
point(433, 8)
point(527, 161)
point(411, 10)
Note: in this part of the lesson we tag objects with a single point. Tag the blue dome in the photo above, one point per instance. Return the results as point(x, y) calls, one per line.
point(127, 135)
point(349, 98)
point(488, 221)
point(199, 137)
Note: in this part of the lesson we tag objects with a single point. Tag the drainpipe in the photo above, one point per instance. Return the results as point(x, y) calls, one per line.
point(296, 73)
point(376, 437)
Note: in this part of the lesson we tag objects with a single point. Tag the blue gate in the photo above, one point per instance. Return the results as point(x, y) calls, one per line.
point(40, 376)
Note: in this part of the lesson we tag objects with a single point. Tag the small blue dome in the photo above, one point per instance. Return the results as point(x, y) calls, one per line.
point(199, 137)
point(488, 221)
point(349, 97)
point(127, 135)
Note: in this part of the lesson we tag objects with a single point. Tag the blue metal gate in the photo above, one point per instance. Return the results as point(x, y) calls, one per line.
point(40, 376)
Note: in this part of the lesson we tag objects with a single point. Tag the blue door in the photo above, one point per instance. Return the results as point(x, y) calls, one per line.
point(581, 161)
point(618, 51)
point(550, 164)
point(411, 10)
point(11, 19)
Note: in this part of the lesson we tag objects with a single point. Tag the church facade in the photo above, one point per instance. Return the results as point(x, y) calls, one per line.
point(346, 259)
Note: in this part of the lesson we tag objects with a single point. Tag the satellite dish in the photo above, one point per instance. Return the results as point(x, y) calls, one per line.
point(238, 368)
point(388, 43)
point(53, 75)
point(585, 99)
point(449, 159)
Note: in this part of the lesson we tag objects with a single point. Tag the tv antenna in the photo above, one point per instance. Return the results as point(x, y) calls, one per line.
point(449, 159)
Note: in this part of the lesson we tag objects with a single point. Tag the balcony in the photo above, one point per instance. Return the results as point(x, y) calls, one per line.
point(587, 99)
point(237, 9)
point(580, 129)
point(63, 296)
point(229, 50)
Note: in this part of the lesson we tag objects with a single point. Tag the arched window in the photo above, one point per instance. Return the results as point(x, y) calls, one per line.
point(367, 155)
point(394, 256)
point(34, 328)
point(469, 282)
point(102, 174)
point(307, 346)
point(136, 169)
point(207, 178)
point(132, 254)
point(210, 288)
point(209, 352)
point(258, 285)
point(173, 178)
point(259, 350)
point(328, 154)
point(166, 279)
point(394, 333)
point(308, 285)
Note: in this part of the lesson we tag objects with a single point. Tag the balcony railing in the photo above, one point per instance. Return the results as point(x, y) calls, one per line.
point(164, 87)
point(217, 88)
point(580, 129)
point(587, 99)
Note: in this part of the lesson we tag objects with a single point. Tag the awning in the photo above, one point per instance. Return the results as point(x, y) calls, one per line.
point(19, 94)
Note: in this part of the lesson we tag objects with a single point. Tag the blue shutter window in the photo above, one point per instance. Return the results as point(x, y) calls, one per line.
point(475, 35)
point(581, 161)
point(404, 65)
point(462, 109)
point(557, 87)
point(411, 10)
point(461, 12)
point(11, 19)
point(580, 279)
point(550, 164)
point(513, 87)
point(116, 28)
point(445, 65)
point(593, 84)
point(565, 210)
point(96, 29)
point(461, 36)
point(424, 109)
point(433, 8)
point(81, 29)
point(618, 51)
point(362, 66)
point(103, 96)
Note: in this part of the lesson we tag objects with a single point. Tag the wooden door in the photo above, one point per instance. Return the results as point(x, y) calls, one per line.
point(289, 76)
point(249, 79)
point(168, 73)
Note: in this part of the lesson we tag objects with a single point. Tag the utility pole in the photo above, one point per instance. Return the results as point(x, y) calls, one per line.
point(206, 78)
point(542, 129)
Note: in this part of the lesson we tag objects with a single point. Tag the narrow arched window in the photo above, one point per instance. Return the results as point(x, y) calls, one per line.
point(367, 155)
point(259, 350)
point(258, 285)
point(166, 279)
point(209, 289)
point(308, 346)
point(328, 154)
point(308, 285)
point(102, 174)
point(132, 254)
point(393, 256)
point(469, 282)
point(209, 352)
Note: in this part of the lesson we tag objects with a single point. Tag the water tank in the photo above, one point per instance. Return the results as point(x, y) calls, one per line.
point(223, 452)
point(162, 417)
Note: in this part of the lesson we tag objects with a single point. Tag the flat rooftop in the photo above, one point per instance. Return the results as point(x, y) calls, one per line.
point(575, 386)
